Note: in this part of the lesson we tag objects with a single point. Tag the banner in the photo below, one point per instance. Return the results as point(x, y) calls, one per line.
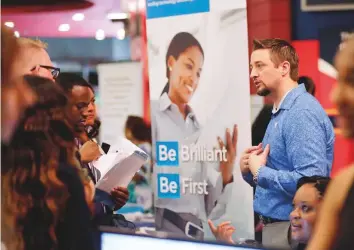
point(121, 95)
point(199, 88)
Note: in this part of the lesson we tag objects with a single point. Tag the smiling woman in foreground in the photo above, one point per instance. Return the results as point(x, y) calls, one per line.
point(306, 205)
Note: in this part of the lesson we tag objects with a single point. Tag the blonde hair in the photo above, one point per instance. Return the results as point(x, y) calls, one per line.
point(33, 43)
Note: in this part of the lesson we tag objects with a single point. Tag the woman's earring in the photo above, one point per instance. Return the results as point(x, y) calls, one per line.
point(170, 68)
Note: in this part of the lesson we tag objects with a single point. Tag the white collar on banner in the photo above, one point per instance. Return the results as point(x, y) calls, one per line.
point(165, 103)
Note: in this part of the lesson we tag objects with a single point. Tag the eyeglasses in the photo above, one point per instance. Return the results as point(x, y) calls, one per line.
point(53, 70)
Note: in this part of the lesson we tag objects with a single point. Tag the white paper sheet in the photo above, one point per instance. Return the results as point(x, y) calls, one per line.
point(119, 166)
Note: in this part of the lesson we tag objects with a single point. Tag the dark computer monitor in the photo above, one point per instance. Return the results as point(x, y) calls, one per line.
point(116, 240)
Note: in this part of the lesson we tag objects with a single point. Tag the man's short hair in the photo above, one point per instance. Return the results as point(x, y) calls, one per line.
point(33, 43)
point(280, 51)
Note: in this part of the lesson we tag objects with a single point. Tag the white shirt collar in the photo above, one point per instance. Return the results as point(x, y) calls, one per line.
point(166, 103)
point(275, 110)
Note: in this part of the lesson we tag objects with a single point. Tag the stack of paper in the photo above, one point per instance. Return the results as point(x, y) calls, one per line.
point(119, 165)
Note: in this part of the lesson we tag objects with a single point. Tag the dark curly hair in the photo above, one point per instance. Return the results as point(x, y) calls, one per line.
point(320, 183)
point(33, 197)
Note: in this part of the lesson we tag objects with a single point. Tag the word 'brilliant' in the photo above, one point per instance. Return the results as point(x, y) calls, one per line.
point(169, 153)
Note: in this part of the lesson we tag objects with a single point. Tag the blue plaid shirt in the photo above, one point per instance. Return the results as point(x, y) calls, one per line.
point(301, 139)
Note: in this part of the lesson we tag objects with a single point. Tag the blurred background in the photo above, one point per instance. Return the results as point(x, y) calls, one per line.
point(105, 42)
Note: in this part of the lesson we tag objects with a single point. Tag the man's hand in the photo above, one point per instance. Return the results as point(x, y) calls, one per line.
point(89, 152)
point(226, 167)
point(257, 160)
point(120, 196)
point(223, 232)
point(244, 161)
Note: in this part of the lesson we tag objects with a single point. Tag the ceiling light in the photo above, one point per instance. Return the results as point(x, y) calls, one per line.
point(17, 34)
point(121, 34)
point(10, 24)
point(117, 15)
point(78, 17)
point(64, 27)
point(100, 35)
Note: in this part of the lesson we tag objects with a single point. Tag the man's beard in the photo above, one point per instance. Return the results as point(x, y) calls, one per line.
point(263, 92)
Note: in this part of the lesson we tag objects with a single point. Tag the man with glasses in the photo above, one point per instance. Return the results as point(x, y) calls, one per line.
point(52, 72)
point(32, 58)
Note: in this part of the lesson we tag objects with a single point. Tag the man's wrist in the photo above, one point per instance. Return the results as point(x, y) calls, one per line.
point(256, 174)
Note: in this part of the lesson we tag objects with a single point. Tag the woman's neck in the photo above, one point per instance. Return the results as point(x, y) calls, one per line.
point(180, 105)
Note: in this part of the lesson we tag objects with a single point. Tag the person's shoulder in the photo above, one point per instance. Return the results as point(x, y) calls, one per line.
point(154, 103)
point(307, 105)
point(154, 107)
point(309, 102)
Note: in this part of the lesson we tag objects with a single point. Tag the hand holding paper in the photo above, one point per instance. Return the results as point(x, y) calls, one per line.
point(120, 196)
point(118, 167)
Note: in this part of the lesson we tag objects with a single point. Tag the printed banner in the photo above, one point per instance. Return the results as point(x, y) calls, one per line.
point(199, 89)
point(166, 8)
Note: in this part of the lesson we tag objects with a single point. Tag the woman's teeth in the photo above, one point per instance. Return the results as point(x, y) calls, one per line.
point(189, 88)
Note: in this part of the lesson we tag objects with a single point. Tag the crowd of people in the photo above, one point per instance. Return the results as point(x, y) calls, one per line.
point(49, 145)
point(49, 125)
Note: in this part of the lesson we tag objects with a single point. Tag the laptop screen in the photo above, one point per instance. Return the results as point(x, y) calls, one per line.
point(116, 241)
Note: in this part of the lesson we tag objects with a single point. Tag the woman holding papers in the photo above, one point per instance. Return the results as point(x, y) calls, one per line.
point(82, 104)
point(184, 212)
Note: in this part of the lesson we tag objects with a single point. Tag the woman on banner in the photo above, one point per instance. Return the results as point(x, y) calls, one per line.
point(184, 212)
